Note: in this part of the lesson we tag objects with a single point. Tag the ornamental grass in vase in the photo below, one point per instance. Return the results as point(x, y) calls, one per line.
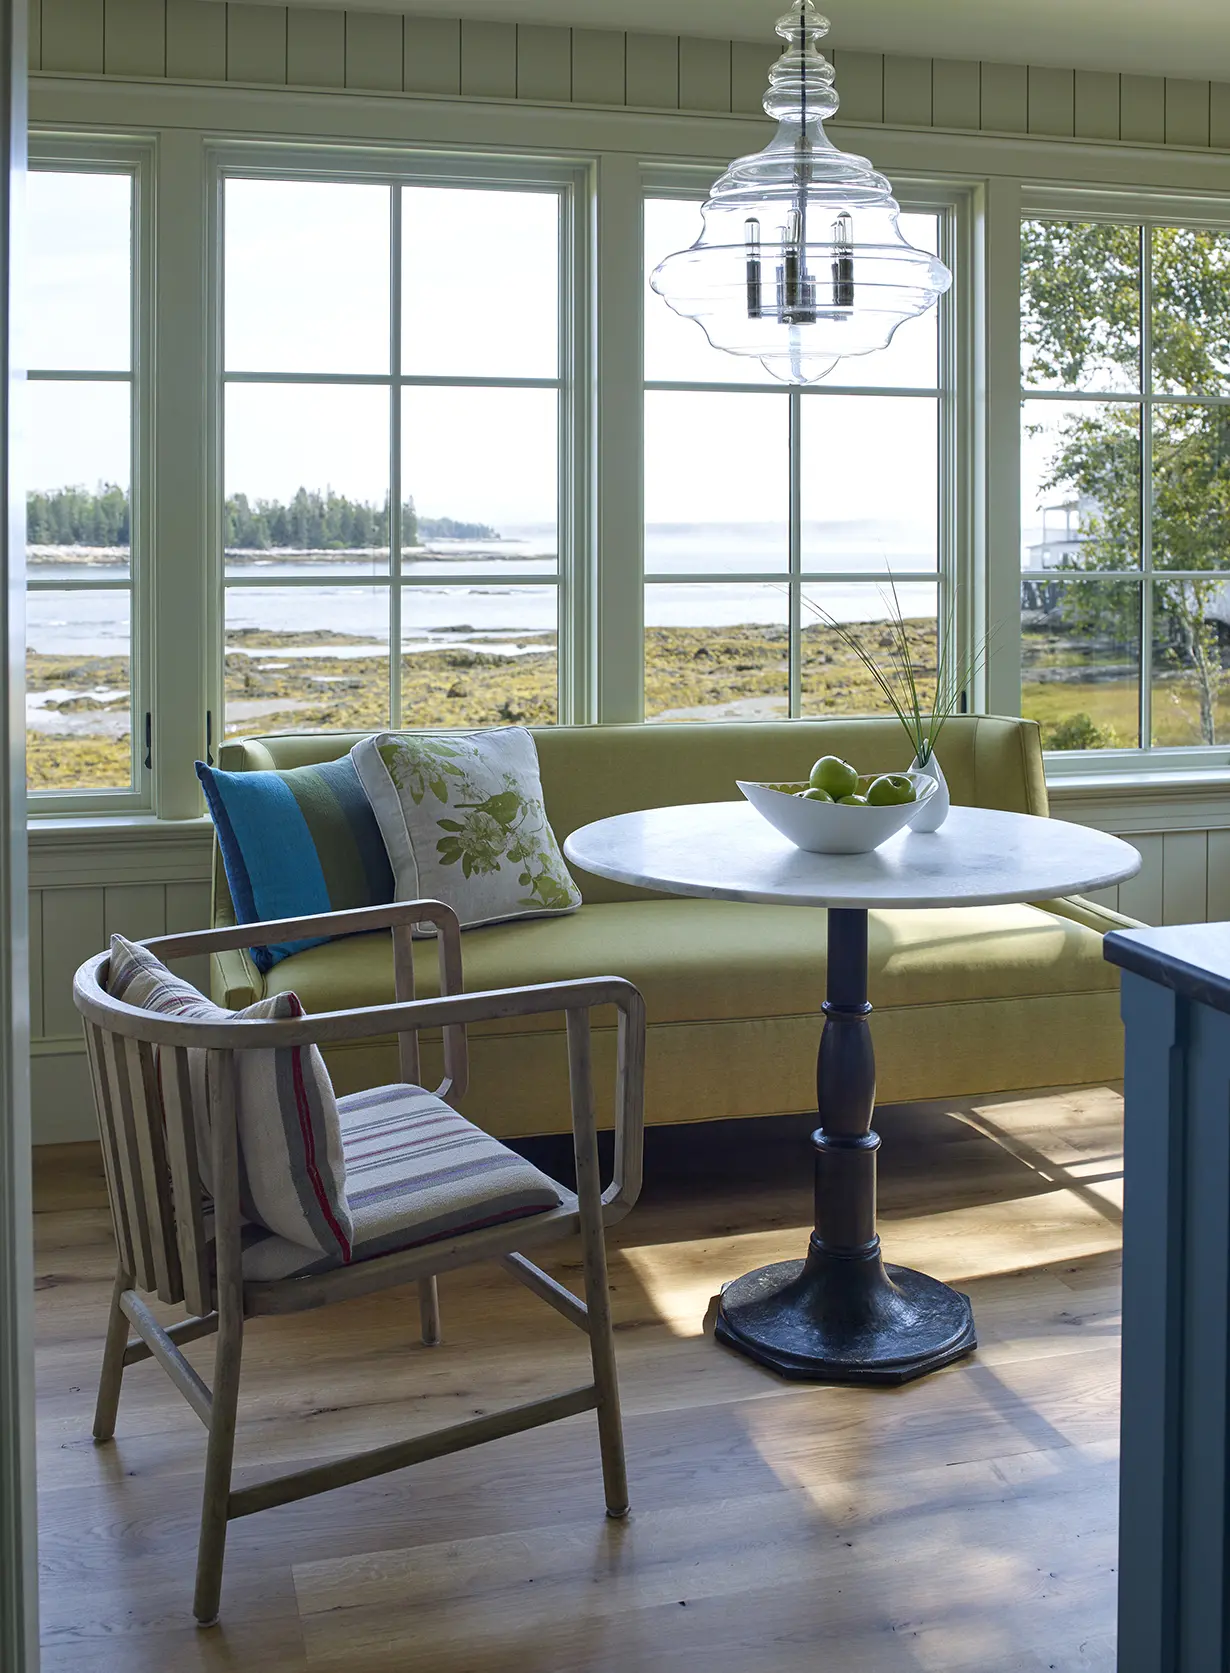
point(904, 682)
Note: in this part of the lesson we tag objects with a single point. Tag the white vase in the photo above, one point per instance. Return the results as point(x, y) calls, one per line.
point(933, 812)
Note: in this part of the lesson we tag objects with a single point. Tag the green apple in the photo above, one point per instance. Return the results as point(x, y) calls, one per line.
point(852, 801)
point(836, 776)
point(813, 795)
point(890, 790)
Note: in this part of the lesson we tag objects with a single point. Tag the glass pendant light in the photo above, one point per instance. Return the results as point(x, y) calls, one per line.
point(801, 260)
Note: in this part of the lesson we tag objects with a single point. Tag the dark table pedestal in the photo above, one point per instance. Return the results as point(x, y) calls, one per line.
point(840, 1315)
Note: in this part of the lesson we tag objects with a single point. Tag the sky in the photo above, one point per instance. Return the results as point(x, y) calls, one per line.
point(307, 288)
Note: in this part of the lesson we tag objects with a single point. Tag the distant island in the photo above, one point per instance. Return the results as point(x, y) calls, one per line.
point(310, 522)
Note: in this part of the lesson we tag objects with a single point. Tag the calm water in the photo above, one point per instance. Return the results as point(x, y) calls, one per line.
point(96, 623)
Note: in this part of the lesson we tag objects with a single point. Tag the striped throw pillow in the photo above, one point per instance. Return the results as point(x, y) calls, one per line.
point(292, 1170)
point(296, 842)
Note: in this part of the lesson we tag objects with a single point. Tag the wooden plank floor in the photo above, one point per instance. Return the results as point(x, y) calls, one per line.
point(965, 1523)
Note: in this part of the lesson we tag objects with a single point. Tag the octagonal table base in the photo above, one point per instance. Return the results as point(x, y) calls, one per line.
point(841, 1315)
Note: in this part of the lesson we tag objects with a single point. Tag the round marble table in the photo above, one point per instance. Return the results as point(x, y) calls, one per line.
point(841, 1314)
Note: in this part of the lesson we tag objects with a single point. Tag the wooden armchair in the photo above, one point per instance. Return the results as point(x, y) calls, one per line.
point(168, 1247)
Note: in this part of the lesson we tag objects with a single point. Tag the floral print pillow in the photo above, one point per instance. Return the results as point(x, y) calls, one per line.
point(462, 817)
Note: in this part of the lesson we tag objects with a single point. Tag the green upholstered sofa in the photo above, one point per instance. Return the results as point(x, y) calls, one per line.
point(967, 1000)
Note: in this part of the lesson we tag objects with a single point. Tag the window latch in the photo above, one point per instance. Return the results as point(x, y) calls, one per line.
point(209, 737)
point(149, 739)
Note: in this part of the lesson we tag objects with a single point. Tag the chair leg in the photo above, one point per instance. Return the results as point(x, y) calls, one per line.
point(219, 1457)
point(429, 1311)
point(602, 1354)
point(113, 1362)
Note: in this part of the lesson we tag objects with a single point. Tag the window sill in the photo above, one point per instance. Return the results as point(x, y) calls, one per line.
point(118, 850)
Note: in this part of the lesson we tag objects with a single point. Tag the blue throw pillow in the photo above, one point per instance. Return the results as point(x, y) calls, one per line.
point(296, 842)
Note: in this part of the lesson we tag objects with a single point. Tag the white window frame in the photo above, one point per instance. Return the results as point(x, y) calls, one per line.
point(72, 152)
point(1148, 210)
point(571, 178)
point(959, 546)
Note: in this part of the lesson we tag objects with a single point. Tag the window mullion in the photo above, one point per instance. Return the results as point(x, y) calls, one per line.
point(1146, 488)
point(395, 489)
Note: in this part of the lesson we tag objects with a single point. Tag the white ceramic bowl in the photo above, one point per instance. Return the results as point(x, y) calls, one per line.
point(828, 827)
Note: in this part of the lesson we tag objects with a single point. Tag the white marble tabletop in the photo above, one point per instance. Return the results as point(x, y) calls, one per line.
point(726, 851)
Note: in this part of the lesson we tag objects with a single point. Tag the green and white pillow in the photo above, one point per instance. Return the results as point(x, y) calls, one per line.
point(462, 817)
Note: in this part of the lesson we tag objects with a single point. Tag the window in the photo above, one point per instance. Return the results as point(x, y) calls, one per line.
point(766, 509)
point(1125, 469)
point(84, 556)
point(391, 422)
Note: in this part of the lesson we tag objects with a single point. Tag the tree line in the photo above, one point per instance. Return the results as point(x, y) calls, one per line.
point(309, 522)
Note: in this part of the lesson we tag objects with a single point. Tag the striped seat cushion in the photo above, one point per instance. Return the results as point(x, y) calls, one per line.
point(416, 1172)
point(292, 1179)
point(294, 843)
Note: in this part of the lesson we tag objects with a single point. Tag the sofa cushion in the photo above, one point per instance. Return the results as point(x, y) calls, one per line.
point(294, 843)
point(462, 818)
point(701, 960)
point(416, 1172)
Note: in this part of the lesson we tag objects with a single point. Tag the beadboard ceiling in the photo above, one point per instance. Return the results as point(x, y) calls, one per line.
point(1147, 37)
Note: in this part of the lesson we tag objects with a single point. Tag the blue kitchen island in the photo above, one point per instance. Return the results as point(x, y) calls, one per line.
point(1174, 1481)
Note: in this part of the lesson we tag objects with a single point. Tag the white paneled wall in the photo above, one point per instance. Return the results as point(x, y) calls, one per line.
point(156, 886)
point(378, 52)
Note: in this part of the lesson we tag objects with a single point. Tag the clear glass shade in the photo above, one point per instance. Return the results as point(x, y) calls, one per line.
point(801, 260)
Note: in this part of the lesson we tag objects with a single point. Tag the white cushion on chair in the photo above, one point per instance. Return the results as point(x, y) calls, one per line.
point(291, 1175)
point(416, 1172)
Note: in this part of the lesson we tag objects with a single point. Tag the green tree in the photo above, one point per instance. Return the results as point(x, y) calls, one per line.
point(1081, 330)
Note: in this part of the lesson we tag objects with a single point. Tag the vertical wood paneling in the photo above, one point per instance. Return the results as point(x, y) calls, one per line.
point(196, 40)
point(256, 44)
point(860, 85)
point(315, 47)
point(704, 74)
point(954, 94)
point(544, 62)
point(134, 910)
point(34, 44)
point(73, 35)
point(1096, 102)
point(135, 38)
point(750, 63)
point(1142, 109)
point(373, 51)
point(187, 908)
point(488, 59)
point(1185, 862)
point(36, 963)
point(907, 91)
point(1187, 112)
point(598, 71)
point(432, 55)
point(1141, 896)
point(651, 70)
point(73, 929)
point(1051, 101)
point(1219, 115)
point(1004, 98)
point(1217, 875)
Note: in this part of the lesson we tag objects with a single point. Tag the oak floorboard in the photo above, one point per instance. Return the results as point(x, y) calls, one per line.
point(771, 1521)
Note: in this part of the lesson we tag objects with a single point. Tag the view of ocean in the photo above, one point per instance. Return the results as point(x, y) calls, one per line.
point(95, 623)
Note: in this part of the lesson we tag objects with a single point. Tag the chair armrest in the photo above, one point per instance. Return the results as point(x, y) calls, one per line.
point(325, 925)
point(229, 945)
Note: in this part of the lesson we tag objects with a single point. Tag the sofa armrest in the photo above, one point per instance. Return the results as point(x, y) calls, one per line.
point(1089, 913)
point(234, 981)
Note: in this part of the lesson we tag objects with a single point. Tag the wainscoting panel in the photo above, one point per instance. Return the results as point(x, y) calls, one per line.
point(276, 46)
